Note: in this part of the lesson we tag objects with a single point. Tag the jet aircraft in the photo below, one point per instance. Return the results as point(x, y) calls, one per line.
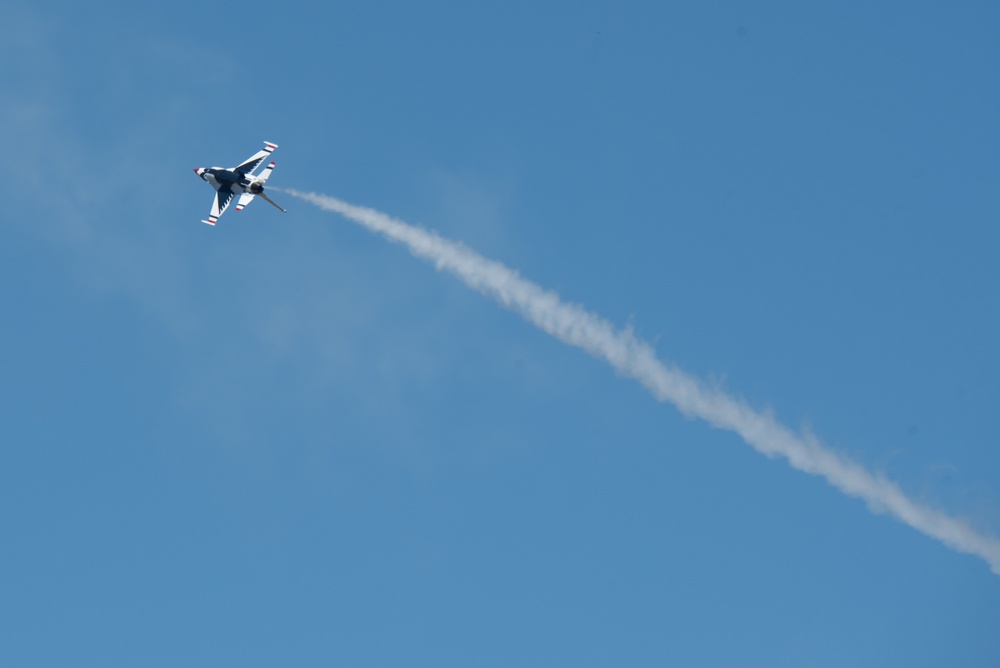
point(239, 179)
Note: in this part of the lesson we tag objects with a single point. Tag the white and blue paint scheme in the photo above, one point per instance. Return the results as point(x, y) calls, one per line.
point(239, 179)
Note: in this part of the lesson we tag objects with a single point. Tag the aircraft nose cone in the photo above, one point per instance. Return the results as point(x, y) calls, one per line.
point(196, 170)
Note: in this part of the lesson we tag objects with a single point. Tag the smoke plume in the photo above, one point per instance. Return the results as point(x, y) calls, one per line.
point(634, 358)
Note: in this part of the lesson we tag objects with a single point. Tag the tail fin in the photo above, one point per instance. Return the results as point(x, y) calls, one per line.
point(265, 175)
point(271, 202)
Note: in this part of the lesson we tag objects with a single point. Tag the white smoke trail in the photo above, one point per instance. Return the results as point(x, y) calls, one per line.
point(635, 358)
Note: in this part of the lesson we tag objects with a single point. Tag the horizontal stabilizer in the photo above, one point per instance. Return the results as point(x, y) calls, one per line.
point(245, 199)
point(266, 174)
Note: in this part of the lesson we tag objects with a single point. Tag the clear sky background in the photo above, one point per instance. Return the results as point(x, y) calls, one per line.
point(283, 441)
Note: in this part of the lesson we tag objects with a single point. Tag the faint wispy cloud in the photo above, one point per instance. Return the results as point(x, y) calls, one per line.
point(636, 359)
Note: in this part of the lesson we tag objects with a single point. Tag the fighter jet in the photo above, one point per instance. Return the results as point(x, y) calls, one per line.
point(239, 179)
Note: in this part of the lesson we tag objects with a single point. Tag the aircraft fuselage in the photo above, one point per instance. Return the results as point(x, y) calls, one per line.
point(220, 177)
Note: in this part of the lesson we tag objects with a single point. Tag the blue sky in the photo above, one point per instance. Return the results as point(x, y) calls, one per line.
point(283, 440)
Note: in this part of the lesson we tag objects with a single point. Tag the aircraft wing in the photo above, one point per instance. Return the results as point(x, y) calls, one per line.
point(251, 163)
point(222, 199)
